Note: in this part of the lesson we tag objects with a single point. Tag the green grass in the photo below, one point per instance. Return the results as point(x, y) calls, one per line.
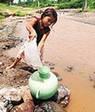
point(91, 10)
point(18, 10)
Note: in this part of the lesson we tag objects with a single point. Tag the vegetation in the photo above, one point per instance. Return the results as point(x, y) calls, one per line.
point(25, 7)
point(6, 10)
point(84, 4)
point(71, 4)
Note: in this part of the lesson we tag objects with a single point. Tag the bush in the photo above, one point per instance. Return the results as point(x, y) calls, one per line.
point(47, 3)
point(91, 3)
point(71, 4)
point(19, 13)
point(2, 17)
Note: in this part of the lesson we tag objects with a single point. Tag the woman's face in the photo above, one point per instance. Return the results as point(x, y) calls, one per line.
point(47, 21)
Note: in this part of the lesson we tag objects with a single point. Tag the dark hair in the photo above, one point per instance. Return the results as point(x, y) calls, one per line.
point(50, 12)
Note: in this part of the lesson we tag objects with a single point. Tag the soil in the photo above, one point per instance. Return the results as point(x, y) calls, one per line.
point(13, 77)
point(69, 51)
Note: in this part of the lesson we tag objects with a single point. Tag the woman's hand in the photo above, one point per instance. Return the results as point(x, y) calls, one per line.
point(32, 35)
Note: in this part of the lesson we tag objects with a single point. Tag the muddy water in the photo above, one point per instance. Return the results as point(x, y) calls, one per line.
point(72, 44)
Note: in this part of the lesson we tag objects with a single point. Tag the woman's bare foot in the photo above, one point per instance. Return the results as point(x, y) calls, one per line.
point(10, 67)
point(14, 64)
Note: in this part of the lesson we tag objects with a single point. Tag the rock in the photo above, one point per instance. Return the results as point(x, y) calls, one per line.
point(10, 93)
point(9, 97)
point(62, 97)
point(16, 76)
point(25, 93)
point(24, 107)
point(39, 11)
point(69, 68)
point(49, 106)
point(92, 77)
point(49, 64)
point(28, 105)
point(6, 13)
point(1, 63)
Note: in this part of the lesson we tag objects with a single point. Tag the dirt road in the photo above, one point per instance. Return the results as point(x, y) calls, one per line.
point(71, 48)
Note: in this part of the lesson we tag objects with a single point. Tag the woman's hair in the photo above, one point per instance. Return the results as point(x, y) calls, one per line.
point(51, 13)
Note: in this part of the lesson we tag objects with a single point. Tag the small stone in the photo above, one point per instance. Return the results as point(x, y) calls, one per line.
point(69, 68)
point(1, 63)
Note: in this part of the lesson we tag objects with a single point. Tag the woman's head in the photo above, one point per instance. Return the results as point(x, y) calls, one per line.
point(49, 17)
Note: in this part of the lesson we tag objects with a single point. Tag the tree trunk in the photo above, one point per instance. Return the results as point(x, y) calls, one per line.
point(84, 8)
point(38, 3)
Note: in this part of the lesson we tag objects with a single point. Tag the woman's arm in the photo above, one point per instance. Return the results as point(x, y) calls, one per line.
point(41, 44)
point(29, 27)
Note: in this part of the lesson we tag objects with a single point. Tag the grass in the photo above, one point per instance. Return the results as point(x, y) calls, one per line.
point(18, 10)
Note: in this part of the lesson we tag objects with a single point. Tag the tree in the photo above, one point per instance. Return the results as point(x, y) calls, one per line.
point(84, 8)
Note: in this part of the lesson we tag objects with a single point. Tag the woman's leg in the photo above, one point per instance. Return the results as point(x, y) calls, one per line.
point(13, 65)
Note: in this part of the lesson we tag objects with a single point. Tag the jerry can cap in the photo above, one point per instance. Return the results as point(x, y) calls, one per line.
point(44, 71)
